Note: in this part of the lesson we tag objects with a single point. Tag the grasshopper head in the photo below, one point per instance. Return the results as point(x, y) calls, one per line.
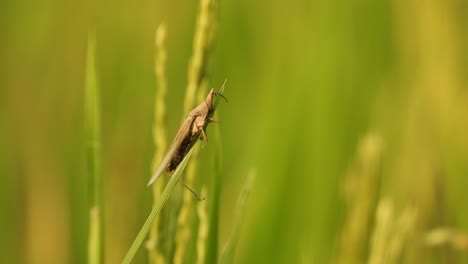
point(209, 99)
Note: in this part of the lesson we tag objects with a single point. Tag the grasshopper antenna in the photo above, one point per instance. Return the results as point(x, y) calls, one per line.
point(194, 193)
point(221, 95)
point(221, 91)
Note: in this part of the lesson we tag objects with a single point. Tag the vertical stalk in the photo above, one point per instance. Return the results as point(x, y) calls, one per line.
point(159, 137)
point(228, 253)
point(93, 135)
point(197, 83)
point(202, 45)
point(202, 210)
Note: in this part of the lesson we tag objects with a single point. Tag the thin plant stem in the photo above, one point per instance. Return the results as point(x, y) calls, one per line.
point(159, 137)
point(92, 108)
point(202, 44)
point(202, 209)
point(156, 209)
point(215, 191)
point(196, 86)
point(227, 255)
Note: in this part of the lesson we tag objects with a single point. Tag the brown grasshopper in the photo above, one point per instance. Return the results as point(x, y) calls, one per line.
point(192, 128)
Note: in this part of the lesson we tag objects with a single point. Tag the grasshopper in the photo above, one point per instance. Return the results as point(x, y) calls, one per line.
point(190, 131)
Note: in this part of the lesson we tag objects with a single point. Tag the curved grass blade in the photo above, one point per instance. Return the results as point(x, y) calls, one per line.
point(228, 254)
point(156, 209)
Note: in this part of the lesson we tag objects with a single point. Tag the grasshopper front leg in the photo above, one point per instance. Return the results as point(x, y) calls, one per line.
point(204, 134)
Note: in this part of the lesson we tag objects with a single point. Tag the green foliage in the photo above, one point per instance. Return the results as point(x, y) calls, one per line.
point(307, 82)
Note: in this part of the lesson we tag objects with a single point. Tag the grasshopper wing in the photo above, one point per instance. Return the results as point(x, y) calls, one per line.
point(181, 134)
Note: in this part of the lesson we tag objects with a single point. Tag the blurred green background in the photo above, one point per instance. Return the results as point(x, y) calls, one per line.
point(318, 92)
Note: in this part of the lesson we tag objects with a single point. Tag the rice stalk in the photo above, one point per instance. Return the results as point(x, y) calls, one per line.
point(202, 209)
point(391, 233)
point(159, 137)
point(93, 135)
point(197, 84)
point(360, 191)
